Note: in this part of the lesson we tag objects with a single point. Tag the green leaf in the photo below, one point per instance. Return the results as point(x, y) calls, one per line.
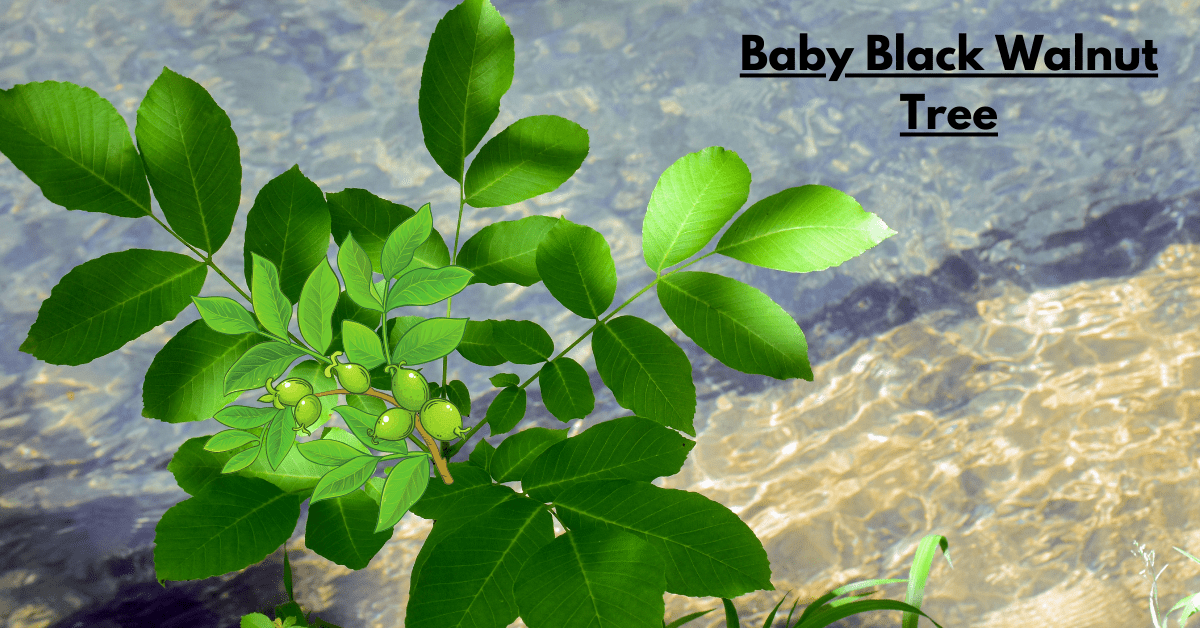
point(273, 309)
point(803, 229)
point(372, 220)
point(295, 474)
point(340, 435)
point(402, 243)
point(345, 310)
point(481, 455)
point(224, 315)
point(243, 459)
point(736, 324)
point(429, 340)
point(404, 486)
point(469, 578)
point(707, 549)
point(374, 489)
point(457, 394)
point(426, 286)
point(506, 251)
point(229, 439)
point(269, 359)
point(576, 264)
point(359, 422)
point(339, 529)
point(348, 477)
point(397, 327)
point(356, 272)
point(468, 67)
point(731, 616)
point(522, 342)
point(628, 448)
point(280, 436)
point(330, 453)
point(500, 380)
point(646, 371)
point(470, 495)
point(507, 409)
point(289, 226)
point(362, 345)
point(186, 380)
point(75, 146)
point(373, 406)
point(477, 345)
point(104, 303)
point(244, 417)
point(518, 451)
point(470, 504)
point(593, 578)
point(692, 200)
point(194, 467)
point(532, 156)
point(318, 301)
point(566, 389)
point(192, 159)
point(688, 618)
point(232, 523)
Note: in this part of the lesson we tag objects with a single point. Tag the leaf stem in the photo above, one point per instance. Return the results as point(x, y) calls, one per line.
point(207, 259)
point(458, 445)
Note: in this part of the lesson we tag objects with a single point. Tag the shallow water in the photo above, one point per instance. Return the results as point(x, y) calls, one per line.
point(1014, 370)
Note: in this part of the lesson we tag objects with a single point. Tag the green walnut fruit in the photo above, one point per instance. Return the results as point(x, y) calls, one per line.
point(409, 388)
point(394, 424)
point(292, 390)
point(442, 420)
point(353, 377)
point(308, 410)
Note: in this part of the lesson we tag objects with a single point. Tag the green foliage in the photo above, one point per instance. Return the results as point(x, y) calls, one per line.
point(491, 555)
